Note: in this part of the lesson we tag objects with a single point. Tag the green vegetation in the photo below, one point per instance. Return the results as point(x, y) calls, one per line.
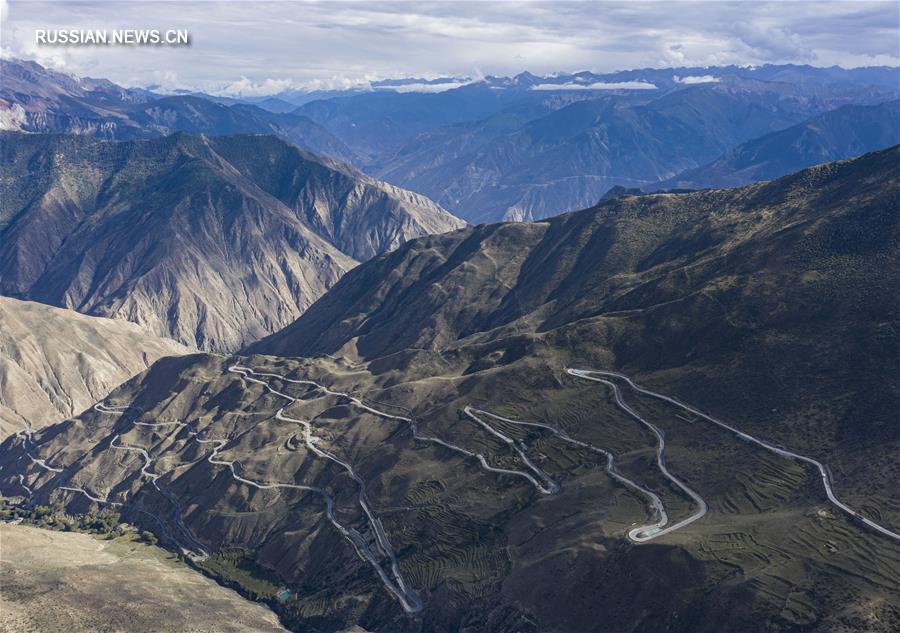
point(240, 571)
point(102, 522)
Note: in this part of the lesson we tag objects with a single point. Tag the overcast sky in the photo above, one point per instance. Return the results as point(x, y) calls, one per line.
point(263, 47)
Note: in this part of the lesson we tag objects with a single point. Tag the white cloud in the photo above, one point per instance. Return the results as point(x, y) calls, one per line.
point(599, 85)
point(423, 87)
point(257, 46)
point(245, 87)
point(696, 79)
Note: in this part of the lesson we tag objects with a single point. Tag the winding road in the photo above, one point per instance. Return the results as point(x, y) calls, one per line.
point(822, 468)
point(148, 461)
point(27, 437)
point(610, 465)
point(197, 556)
point(379, 550)
point(413, 425)
point(550, 487)
point(643, 534)
point(396, 586)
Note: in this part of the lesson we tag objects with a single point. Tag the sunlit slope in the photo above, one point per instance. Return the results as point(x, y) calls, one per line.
point(55, 363)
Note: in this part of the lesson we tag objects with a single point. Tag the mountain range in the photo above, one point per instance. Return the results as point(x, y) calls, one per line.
point(837, 134)
point(414, 453)
point(39, 100)
point(540, 157)
point(511, 148)
point(212, 241)
point(639, 395)
point(712, 285)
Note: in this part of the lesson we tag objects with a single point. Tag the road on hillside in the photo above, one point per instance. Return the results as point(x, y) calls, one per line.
point(822, 468)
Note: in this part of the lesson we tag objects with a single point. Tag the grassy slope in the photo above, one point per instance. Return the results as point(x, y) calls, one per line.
point(56, 581)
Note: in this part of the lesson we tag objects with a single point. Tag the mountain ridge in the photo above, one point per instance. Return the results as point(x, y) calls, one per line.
point(168, 233)
point(508, 167)
point(835, 135)
point(39, 100)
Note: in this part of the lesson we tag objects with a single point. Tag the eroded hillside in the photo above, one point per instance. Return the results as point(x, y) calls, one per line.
point(214, 242)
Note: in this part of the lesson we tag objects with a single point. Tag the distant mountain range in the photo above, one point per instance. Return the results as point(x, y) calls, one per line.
point(525, 154)
point(843, 133)
point(623, 81)
point(506, 148)
point(213, 241)
point(36, 99)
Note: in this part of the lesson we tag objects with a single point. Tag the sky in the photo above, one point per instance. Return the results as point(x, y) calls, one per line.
point(257, 48)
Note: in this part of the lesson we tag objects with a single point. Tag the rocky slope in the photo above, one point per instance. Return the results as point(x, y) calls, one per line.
point(210, 241)
point(353, 471)
point(55, 363)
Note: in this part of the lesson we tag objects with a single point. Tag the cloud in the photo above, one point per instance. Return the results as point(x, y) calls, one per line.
point(695, 79)
point(424, 87)
point(260, 46)
point(599, 85)
point(245, 87)
point(770, 43)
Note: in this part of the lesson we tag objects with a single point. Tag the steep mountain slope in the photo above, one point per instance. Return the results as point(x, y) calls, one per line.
point(448, 474)
point(363, 217)
point(39, 100)
point(780, 295)
point(55, 363)
point(170, 234)
point(839, 134)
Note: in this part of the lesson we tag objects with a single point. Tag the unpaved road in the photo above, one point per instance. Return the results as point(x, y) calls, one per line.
point(781, 452)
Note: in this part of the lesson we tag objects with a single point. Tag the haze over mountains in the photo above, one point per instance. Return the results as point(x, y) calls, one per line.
point(212, 241)
point(366, 485)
